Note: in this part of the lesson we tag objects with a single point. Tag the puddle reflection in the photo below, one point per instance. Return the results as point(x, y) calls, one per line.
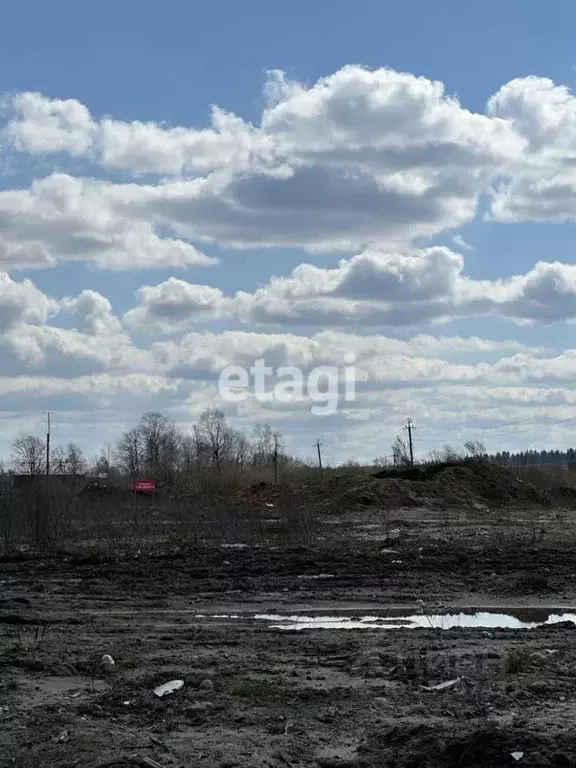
point(523, 618)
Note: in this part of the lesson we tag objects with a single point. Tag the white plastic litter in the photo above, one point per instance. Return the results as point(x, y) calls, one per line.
point(441, 686)
point(171, 687)
point(517, 755)
point(107, 660)
point(150, 762)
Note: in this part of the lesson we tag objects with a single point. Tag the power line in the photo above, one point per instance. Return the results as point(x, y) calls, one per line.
point(446, 436)
point(535, 427)
point(510, 423)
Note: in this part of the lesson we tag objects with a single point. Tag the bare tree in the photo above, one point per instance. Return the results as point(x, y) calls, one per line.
point(202, 451)
point(58, 460)
point(262, 445)
point(240, 448)
point(400, 453)
point(160, 442)
point(29, 455)
point(75, 461)
point(130, 452)
point(450, 453)
point(475, 448)
point(187, 456)
point(213, 431)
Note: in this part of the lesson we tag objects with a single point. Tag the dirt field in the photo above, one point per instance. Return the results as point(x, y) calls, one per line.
point(256, 695)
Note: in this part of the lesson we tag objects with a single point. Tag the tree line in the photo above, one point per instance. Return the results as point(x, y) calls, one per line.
point(158, 449)
point(532, 457)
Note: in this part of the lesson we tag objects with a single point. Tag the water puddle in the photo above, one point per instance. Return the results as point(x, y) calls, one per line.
point(375, 618)
point(527, 618)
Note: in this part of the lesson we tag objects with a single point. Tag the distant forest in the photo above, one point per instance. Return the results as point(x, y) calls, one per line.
point(527, 458)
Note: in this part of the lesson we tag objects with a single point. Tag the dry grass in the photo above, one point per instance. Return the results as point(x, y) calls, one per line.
point(548, 476)
point(44, 522)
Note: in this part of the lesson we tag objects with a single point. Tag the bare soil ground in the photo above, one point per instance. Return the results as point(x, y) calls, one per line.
point(258, 696)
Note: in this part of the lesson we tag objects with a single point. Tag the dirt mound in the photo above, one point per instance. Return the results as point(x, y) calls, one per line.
point(470, 483)
point(338, 493)
point(484, 746)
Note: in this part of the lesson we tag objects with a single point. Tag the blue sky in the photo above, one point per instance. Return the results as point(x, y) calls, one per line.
point(433, 210)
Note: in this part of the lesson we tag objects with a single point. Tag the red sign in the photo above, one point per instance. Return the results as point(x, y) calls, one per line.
point(144, 486)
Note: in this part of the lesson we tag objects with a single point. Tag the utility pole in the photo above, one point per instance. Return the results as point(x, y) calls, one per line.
point(48, 449)
point(275, 457)
point(318, 445)
point(410, 426)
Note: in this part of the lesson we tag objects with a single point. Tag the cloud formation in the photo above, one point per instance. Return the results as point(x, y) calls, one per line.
point(376, 288)
point(357, 157)
point(370, 163)
point(62, 218)
point(95, 372)
point(23, 302)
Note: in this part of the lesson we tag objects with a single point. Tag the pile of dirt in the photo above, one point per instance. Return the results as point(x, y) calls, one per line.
point(338, 493)
point(471, 483)
point(482, 482)
point(484, 745)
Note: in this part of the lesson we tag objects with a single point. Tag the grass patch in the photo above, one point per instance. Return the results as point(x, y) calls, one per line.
point(257, 690)
point(517, 661)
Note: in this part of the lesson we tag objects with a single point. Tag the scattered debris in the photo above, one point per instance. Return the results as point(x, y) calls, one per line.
point(107, 662)
point(317, 576)
point(441, 686)
point(148, 762)
point(159, 743)
point(171, 687)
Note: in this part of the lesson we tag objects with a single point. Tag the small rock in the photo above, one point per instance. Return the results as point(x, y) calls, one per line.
point(197, 711)
point(539, 656)
point(540, 687)
point(107, 663)
point(207, 685)
point(561, 759)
